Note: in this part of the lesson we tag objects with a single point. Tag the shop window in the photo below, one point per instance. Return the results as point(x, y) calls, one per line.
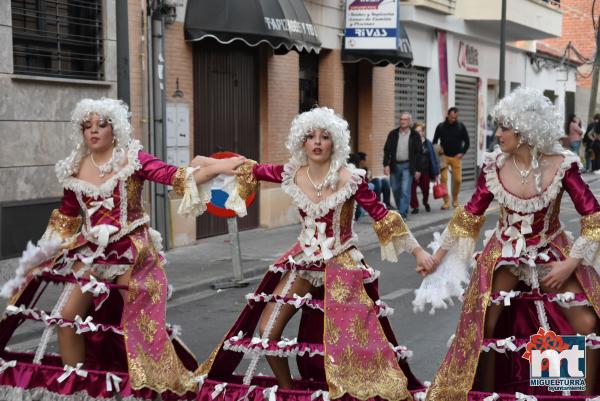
point(309, 81)
point(58, 38)
point(411, 92)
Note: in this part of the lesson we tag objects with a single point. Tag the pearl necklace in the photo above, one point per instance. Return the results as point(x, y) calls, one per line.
point(104, 168)
point(523, 173)
point(318, 187)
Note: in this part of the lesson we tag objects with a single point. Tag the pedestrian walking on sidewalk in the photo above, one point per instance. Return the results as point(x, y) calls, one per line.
point(427, 170)
point(454, 138)
point(575, 133)
point(399, 161)
point(344, 333)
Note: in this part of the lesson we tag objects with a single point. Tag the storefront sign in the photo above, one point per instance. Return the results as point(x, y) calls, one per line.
point(468, 57)
point(291, 26)
point(372, 24)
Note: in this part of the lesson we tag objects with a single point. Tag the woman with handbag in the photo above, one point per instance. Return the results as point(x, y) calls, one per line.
point(427, 169)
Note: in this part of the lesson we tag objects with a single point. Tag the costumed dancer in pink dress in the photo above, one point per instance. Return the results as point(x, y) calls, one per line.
point(110, 317)
point(531, 273)
point(345, 346)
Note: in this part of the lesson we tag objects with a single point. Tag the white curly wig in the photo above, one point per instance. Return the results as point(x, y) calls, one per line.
point(326, 119)
point(536, 120)
point(531, 114)
point(114, 111)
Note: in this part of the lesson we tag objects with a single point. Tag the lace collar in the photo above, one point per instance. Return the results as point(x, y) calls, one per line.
point(323, 207)
point(522, 205)
point(107, 187)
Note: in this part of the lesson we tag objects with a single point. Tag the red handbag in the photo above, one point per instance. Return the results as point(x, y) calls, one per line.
point(439, 190)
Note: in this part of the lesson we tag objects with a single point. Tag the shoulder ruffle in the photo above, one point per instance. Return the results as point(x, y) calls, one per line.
point(320, 209)
point(107, 188)
point(521, 205)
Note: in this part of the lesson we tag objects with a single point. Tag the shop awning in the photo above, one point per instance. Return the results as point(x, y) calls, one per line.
point(373, 32)
point(283, 24)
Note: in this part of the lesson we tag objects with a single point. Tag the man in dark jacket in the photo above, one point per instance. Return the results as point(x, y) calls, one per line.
point(399, 161)
point(454, 139)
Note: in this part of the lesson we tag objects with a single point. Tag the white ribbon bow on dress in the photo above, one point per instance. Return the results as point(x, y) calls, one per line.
point(270, 393)
point(7, 364)
point(508, 343)
point(101, 233)
point(113, 382)
point(263, 341)
point(218, 390)
point(517, 236)
point(565, 296)
point(108, 203)
point(88, 322)
point(508, 295)
point(299, 301)
point(524, 397)
point(69, 370)
point(95, 287)
point(315, 239)
point(239, 336)
point(320, 393)
point(286, 342)
point(492, 397)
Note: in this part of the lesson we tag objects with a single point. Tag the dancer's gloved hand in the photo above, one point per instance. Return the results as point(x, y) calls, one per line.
point(559, 273)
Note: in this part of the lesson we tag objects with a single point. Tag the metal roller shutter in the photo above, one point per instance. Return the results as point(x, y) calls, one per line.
point(466, 101)
point(411, 92)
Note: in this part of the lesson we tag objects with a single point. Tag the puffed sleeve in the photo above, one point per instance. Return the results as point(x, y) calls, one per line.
point(247, 181)
point(587, 246)
point(65, 221)
point(194, 196)
point(393, 233)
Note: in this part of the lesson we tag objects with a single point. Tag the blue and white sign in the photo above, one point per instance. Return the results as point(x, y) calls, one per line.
point(371, 24)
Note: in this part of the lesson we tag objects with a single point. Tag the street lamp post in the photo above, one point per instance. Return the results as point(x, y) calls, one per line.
point(502, 87)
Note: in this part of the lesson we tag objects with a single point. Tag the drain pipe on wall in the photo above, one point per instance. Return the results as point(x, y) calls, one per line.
point(157, 113)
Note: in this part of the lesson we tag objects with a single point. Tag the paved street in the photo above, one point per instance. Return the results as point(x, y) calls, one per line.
point(206, 314)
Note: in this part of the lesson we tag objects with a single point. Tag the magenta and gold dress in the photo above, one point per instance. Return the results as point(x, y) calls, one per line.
point(345, 347)
point(528, 235)
point(131, 351)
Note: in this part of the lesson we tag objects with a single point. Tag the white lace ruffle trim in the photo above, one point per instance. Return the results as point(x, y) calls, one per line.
point(515, 203)
point(106, 189)
point(195, 197)
point(446, 282)
point(588, 250)
point(316, 210)
point(403, 243)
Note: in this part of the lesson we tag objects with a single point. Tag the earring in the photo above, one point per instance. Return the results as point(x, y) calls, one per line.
point(114, 139)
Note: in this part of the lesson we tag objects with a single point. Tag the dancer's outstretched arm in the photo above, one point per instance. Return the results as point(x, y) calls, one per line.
point(393, 233)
